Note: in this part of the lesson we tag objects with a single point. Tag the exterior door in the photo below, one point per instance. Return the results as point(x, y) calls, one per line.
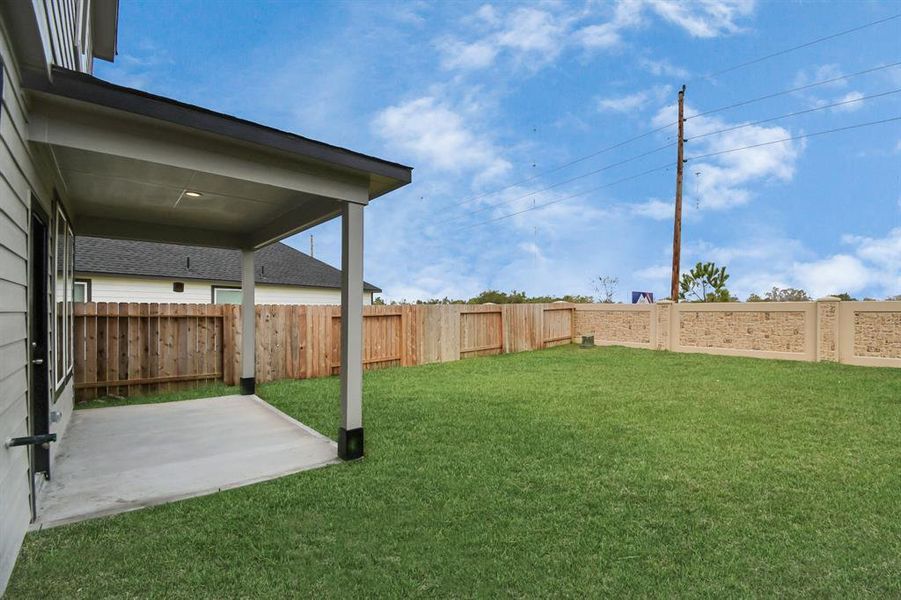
point(39, 377)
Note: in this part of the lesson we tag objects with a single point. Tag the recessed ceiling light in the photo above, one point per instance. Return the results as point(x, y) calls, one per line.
point(193, 194)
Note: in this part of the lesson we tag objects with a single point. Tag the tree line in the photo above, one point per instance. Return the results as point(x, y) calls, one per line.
point(704, 282)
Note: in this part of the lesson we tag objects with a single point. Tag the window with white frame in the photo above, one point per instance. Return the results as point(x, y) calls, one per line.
point(226, 295)
point(63, 293)
point(82, 290)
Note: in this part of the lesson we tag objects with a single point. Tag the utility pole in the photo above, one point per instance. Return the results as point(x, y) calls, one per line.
point(311, 247)
point(677, 225)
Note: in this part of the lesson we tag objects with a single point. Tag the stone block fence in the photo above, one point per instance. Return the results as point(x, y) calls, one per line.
point(857, 333)
point(131, 349)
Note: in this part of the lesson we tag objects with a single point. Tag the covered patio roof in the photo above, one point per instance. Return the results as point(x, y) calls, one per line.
point(133, 165)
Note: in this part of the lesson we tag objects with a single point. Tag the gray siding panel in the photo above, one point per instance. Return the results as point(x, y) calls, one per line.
point(13, 105)
point(20, 155)
point(12, 357)
point(12, 299)
point(62, 26)
point(12, 424)
point(13, 268)
point(13, 389)
point(12, 237)
point(17, 177)
point(13, 186)
point(12, 329)
point(16, 513)
point(20, 176)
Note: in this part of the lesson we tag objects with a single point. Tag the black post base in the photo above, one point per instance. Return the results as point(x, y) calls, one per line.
point(350, 443)
point(248, 386)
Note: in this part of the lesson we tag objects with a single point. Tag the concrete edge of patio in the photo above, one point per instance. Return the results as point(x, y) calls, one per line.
point(91, 466)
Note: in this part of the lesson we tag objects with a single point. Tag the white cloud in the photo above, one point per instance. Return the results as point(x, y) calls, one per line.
point(488, 14)
point(662, 68)
point(598, 37)
point(885, 252)
point(625, 103)
point(704, 18)
point(836, 274)
point(443, 278)
point(655, 273)
point(821, 73)
point(459, 55)
point(852, 106)
point(556, 213)
point(631, 102)
point(654, 209)
point(536, 35)
point(529, 34)
point(820, 95)
point(724, 181)
point(626, 14)
point(430, 131)
point(532, 30)
point(871, 266)
point(532, 249)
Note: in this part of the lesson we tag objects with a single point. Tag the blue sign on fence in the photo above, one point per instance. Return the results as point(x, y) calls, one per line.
point(642, 297)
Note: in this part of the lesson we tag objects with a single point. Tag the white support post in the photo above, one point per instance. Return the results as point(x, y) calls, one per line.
point(350, 435)
point(248, 324)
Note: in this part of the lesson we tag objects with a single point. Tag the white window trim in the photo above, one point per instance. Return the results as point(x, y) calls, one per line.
point(223, 288)
point(80, 283)
point(63, 328)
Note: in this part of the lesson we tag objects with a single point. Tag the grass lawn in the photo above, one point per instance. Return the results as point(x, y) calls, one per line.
point(564, 472)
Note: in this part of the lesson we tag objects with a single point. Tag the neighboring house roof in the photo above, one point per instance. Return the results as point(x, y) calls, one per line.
point(277, 264)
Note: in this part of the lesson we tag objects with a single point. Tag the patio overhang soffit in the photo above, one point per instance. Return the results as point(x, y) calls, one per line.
point(125, 159)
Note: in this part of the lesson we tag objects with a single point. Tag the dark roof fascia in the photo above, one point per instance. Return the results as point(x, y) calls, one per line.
point(86, 88)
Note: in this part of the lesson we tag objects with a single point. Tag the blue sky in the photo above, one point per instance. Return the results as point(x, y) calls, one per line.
point(479, 97)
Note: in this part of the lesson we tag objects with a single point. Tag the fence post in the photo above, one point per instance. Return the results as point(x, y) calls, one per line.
point(828, 330)
point(664, 316)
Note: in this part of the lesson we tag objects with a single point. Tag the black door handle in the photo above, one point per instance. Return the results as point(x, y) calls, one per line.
point(32, 440)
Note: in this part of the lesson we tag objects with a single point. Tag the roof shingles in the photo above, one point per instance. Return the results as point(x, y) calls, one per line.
point(277, 264)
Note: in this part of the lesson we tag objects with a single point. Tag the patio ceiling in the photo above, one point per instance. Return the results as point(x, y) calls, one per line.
point(125, 160)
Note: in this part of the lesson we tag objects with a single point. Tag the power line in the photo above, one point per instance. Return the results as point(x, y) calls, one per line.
point(576, 195)
point(799, 47)
point(794, 114)
point(708, 76)
point(795, 137)
point(665, 146)
point(698, 157)
point(668, 125)
point(569, 164)
point(794, 89)
point(570, 180)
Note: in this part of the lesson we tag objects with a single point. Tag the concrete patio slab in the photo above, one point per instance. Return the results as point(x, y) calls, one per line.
point(118, 459)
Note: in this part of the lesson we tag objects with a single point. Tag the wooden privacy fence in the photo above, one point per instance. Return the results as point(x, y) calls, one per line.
point(128, 349)
point(132, 349)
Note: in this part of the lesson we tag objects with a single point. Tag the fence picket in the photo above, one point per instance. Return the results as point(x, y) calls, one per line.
point(127, 349)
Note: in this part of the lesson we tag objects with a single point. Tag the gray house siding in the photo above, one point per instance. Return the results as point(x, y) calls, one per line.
point(66, 24)
point(14, 219)
point(20, 183)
